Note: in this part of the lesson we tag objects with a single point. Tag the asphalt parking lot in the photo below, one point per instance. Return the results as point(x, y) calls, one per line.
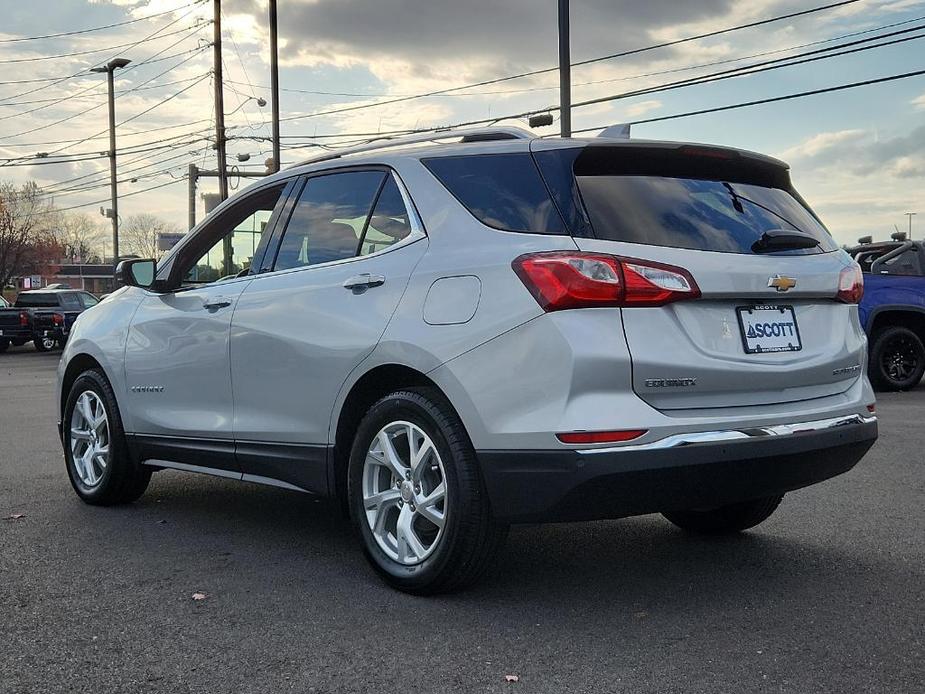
point(827, 596)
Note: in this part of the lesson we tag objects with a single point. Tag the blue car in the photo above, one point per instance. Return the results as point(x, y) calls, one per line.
point(892, 310)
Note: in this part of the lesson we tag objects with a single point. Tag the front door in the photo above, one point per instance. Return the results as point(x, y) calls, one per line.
point(299, 330)
point(177, 359)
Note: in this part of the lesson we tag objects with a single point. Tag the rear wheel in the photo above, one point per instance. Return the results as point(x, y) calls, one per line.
point(726, 519)
point(416, 495)
point(4, 345)
point(98, 462)
point(897, 359)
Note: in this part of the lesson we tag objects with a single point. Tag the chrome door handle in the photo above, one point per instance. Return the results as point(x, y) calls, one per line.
point(364, 281)
point(216, 303)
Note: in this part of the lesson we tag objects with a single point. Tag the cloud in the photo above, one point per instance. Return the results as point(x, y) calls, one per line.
point(919, 102)
point(643, 107)
point(862, 153)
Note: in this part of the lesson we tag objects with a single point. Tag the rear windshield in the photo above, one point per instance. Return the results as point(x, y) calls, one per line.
point(43, 300)
point(694, 213)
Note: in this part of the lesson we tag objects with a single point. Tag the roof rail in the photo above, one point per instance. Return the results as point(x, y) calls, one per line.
point(464, 134)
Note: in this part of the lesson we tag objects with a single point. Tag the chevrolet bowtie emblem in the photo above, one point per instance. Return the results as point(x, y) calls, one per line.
point(781, 283)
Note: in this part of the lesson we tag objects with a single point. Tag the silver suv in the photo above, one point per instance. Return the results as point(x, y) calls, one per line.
point(451, 337)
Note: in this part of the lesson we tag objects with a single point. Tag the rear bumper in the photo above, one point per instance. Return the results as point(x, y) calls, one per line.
point(17, 333)
point(690, 471)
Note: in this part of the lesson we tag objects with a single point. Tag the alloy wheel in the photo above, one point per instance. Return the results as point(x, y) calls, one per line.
point(899, 359)
point(89, 439)
point(404, 492)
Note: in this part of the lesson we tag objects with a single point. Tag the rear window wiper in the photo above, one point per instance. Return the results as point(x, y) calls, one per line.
point(783, 240)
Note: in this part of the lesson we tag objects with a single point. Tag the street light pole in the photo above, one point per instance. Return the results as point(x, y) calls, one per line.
point(274, 83)
point(109, 69)
point(219, 99)
point(910, 215)
point(565, 72)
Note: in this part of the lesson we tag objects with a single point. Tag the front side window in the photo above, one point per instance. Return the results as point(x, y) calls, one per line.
point(329, 219)
point(228, 246)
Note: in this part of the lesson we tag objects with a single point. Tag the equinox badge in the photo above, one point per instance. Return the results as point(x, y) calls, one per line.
point(782, 283)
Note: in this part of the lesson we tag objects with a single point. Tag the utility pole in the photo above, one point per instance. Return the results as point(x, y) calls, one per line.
point(219, 98)
point(910, 215)
point(565, 72)
point(192, 178)
point(274, 83)
point(113, 212)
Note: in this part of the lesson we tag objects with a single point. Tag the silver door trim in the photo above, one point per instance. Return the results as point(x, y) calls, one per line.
point(694, 437)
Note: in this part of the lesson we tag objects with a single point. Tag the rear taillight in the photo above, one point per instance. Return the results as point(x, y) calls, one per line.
point(850, 285)
point(23, 319)
point(561, 280)
point(57, 319)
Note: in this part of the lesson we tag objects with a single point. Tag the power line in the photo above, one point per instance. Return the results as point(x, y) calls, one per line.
point(59, 99)
point(105, 200)
point(100, 28)
point(771, 100)
point(81, 73)
point(754, 68)
point(77, 53)
point(611, 56)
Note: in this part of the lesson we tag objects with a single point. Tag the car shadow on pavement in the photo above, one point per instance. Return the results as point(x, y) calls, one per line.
point(227, 532)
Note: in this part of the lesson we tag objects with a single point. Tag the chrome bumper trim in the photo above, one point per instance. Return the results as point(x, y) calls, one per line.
point(694, 437)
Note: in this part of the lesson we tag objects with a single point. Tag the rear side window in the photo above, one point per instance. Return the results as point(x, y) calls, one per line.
point(71, 302)
point(503, 191)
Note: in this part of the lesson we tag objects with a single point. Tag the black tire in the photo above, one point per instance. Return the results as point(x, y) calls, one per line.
point(123, 480)
point(4, 345)
point(43, 344)
point(471, 538)
point(724, 520)
point(897, 359)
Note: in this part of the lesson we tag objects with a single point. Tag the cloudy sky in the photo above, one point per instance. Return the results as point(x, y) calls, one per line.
point(858, 156)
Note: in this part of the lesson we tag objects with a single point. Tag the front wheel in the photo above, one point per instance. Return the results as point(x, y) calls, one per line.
point(416, 495)
point(98, 462)
point(724, 520)
point(897, 359)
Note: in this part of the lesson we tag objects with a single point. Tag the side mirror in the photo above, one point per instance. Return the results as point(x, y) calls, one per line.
point(137, 272)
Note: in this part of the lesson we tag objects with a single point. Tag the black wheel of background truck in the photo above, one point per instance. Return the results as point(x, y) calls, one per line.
point(725, 519)
point(4, 344)
point(98, 462)
point(416, 495)
point(43, 344)
point(897, 359)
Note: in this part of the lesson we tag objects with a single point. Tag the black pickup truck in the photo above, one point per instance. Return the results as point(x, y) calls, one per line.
point(42, 316)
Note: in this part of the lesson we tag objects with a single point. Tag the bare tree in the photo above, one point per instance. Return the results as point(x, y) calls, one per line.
point(83, 239)
point(138, 234)
point(26, 244)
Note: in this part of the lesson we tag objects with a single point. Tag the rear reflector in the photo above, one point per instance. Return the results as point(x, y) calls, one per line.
point(872, 408)
point(850, 285)
point(560, 280)
point(601, 436)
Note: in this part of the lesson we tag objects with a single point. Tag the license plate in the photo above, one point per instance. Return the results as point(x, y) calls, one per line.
point(769, 329)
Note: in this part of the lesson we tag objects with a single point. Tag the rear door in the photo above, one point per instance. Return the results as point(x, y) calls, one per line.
point(341, 267)
point(767, 327)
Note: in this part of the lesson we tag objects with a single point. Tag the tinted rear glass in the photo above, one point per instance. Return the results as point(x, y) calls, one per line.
point(503, 191)
point(693, 213)
point(43, 300)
